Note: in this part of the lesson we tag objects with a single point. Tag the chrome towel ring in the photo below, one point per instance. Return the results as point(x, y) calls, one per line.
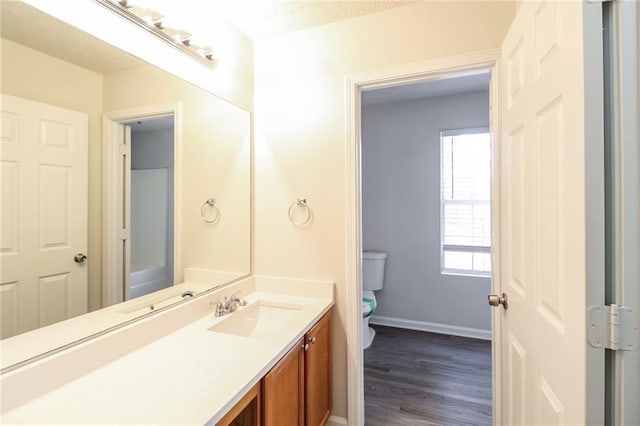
point(211, 204)
point(300, 203)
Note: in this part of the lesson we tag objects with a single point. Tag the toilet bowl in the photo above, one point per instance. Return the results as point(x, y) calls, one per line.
point(373, 263)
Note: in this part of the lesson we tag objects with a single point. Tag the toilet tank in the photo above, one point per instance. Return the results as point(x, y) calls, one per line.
point(373, 269)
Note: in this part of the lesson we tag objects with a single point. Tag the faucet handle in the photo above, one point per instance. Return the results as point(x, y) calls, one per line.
point(240, 300)
point(220, 308)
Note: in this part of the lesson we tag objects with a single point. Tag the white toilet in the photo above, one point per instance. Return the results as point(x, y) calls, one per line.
point(372, 279)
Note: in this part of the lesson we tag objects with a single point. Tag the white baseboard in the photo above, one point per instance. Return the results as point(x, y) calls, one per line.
point(454, 330)
point(337, 421)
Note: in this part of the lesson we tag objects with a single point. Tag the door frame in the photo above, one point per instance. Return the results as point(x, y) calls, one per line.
point(113, 253)
point(469, 63)
point(622, 25)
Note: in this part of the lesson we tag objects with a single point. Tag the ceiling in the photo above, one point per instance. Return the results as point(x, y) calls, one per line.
point(263, 18)
point(429, 89)
point(30, 27)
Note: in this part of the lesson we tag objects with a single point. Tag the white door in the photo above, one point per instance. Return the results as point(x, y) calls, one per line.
point(44, 214)
point(542, 198)
point(126, 219)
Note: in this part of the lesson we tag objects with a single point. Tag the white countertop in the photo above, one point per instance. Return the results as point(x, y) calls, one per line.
point(191, 376)
point(28, 345)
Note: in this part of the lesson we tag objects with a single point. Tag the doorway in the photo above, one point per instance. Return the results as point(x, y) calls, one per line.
point(426, 195)
point(142, 192)
point(151, 206)
point(547, 172)
point(464, 65)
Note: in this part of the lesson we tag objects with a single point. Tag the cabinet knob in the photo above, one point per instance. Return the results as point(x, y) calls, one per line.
point(313, 340)
point(306, 346)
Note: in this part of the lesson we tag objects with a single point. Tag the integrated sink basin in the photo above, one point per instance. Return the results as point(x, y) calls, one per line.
point(260, 319)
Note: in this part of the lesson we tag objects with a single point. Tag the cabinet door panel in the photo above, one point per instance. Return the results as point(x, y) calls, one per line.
point(283, 390)
point(318, 372)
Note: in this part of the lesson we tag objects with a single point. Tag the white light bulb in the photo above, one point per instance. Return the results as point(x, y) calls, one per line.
point(147, 15)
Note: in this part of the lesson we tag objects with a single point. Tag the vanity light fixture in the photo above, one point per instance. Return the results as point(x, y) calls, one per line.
point(152, 22)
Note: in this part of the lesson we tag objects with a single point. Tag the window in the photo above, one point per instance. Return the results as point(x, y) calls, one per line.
point(466, 202)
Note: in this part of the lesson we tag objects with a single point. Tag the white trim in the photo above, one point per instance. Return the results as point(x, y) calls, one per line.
point(355, 361)
point(496, 288)
point(432, 327)
point(594, 202)
point(112, 185)
point(465, 273)
point(336, 421)
point(626, 199)
point(459, 132)
point(471, 63)
point(112, 136)
point(126, 202)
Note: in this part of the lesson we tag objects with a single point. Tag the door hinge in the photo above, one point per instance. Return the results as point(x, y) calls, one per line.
point(124, 234)
point(613, 327)
point(123, 149)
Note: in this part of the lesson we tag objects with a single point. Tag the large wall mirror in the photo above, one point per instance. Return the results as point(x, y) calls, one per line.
point(117, 177)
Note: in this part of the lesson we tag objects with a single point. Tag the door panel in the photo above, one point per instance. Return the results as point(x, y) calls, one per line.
point(543, 208)
point(283, 390)
point(44, 214)
point(317, 365)
point(516, 374)
point(54, 193)
point(54, 296)
point(9, 218)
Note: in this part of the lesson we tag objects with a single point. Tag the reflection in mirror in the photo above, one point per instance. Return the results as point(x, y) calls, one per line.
point(108, 164)
point(151, 206)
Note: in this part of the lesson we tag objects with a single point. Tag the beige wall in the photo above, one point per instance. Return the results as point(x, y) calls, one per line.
point(232, 77)
point(215, 164)
point(30, 74)
point(300, 129)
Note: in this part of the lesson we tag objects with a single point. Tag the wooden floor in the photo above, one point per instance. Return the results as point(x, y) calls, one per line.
point(418, 378)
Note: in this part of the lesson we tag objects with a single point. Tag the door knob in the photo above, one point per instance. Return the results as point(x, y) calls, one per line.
point(79, 258)
point(495, 300)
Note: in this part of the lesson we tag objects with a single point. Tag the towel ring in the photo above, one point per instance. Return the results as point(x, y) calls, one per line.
point(301, 203)
point(211, 203)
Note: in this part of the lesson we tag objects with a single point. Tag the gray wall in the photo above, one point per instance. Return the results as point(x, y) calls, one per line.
point(153, 149)
point(401, 209)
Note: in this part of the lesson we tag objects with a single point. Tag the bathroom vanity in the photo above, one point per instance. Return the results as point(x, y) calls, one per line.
point(297, 390)
point(270, 358)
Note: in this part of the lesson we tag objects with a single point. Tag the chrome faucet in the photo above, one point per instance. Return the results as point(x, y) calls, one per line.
point(230, 304)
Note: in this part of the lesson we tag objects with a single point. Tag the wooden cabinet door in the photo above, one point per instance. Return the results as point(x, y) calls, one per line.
point(283, 390)
point(318, 372)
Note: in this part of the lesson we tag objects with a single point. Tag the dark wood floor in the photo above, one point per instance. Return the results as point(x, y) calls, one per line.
point(418, 378)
